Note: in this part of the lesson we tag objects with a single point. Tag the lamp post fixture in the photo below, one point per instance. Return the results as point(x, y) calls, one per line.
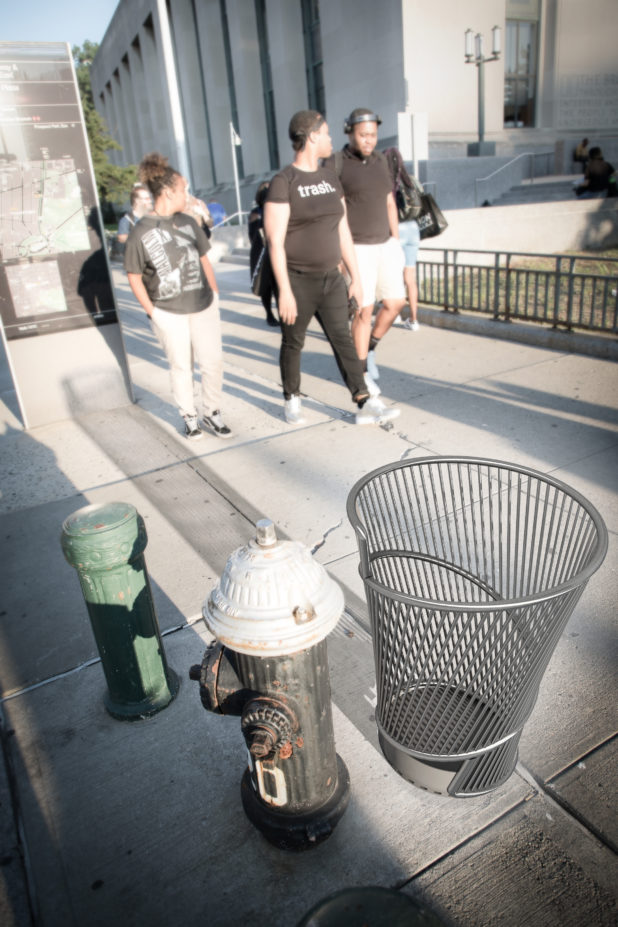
point(474, 55)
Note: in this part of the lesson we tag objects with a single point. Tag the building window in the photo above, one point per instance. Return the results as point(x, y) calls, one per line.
point(520, 68)
point(267, 83)
point(313, 55)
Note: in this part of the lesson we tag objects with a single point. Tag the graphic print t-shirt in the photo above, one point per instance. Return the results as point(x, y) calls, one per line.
point(166, 251)
point(312, 238)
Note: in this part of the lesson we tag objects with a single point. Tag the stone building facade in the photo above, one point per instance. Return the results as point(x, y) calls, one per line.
point(174, 75)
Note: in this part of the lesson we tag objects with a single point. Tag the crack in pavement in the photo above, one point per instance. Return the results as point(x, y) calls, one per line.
point(328, 531)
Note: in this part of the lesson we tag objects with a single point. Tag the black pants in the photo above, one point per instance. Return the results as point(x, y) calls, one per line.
point(323, 294)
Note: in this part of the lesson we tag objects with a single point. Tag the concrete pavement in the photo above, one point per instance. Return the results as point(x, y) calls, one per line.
point(142, 823)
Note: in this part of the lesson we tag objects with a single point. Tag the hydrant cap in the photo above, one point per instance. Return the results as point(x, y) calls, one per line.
point(273, 598)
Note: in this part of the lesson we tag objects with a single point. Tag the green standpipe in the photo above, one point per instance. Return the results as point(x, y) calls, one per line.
point(105, 543)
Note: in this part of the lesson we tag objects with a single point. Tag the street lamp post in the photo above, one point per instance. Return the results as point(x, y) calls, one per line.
point(474, 55)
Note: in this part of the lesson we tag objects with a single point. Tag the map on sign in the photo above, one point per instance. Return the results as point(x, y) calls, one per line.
point(36, 289)
point(41, 210)
point(54, 274)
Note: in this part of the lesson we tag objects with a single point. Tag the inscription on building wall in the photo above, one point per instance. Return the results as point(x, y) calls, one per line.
point(588, 100)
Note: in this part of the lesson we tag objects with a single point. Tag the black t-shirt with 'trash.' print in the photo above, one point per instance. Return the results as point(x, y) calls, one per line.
point(316, 209)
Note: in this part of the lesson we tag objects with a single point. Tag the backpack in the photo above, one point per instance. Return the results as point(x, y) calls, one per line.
point(405, 190)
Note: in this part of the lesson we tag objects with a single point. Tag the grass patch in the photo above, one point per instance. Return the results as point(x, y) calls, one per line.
point(573, 289)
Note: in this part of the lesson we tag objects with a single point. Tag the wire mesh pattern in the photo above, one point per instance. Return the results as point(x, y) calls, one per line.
point(471, 570)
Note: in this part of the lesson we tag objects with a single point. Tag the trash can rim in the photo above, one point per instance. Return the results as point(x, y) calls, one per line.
point(574, 582)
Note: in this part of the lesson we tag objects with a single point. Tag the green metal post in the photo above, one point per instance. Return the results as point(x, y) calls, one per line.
point(105, 543)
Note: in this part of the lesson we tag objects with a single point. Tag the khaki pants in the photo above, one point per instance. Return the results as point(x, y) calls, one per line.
point(187, 339)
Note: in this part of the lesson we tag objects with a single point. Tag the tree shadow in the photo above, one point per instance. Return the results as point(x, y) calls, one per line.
point(602, 226)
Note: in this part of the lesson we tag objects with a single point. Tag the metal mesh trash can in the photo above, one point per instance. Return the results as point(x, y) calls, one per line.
point(471, 569)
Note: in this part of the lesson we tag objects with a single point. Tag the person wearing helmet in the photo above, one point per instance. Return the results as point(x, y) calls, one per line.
point(374, 224)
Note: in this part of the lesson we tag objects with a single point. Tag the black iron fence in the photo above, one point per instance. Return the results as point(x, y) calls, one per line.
point(570, 291)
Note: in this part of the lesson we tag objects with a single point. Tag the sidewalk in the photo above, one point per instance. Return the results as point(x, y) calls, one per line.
point(134, 824)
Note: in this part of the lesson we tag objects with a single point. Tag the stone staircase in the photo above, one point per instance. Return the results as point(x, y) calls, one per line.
point(237, 256)
point(545, 190)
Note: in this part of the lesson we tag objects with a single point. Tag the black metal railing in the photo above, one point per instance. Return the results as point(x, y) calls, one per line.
point(570, 291)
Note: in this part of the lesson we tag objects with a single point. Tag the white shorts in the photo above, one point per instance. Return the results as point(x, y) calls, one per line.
point(381, 271)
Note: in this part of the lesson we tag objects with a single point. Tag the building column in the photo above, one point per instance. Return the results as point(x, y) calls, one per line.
point(124, 132)
point(113, 122)
point(143, 114)
point(181, 154)
point(189, 66)
point(156, 91)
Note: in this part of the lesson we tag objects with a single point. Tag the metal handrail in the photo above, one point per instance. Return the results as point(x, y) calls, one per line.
point(503, 167)
point(526, 154)
point(228, 219)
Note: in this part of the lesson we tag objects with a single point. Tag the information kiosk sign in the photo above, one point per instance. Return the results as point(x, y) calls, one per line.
point(57, 309)
point(54, 274)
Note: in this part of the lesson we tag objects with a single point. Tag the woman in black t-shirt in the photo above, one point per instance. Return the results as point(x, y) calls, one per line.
point(166, 260)
point(308, 236)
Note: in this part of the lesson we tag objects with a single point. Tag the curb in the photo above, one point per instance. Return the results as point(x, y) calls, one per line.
point(604, 347)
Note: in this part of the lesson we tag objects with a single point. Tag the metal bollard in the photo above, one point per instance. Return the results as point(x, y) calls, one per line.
point(105, 543)
point(271, 613)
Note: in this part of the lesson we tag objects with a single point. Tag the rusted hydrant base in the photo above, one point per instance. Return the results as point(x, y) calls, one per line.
point(297, 831)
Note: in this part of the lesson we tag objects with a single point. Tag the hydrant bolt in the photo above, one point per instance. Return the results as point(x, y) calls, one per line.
point(266, 723)
point(262, 742)
point(302, 615)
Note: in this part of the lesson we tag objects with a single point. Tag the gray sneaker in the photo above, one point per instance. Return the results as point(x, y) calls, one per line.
point(374, 412)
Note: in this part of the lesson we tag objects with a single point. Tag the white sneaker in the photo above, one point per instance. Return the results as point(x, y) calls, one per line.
point(372, 367)
point(192, 427)
point(217, 426)
point(293, 412)
point(374, 412)
point(410, 325)
point(372, 386)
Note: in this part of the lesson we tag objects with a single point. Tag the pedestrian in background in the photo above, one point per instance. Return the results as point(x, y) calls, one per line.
point(199, 211)
point(374, 224)
point(597, 174)
point(141, 203)
point(262, 280)
point(217, 212)
point(581, 153)
point(409, 237)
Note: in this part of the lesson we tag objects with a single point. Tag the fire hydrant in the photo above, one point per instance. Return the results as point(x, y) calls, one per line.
point(270, 615)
